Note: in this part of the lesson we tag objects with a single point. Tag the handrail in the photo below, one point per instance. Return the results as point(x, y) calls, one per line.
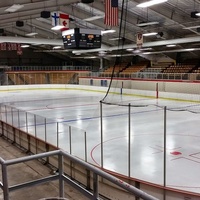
point(62, 177)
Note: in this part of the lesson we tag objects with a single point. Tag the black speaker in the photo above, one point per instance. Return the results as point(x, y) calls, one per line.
point(1, 30)
point(19, 23)
point(87, 1)
point(160, 34)
point(178, 57)
point(193, 14)
point(45, 14)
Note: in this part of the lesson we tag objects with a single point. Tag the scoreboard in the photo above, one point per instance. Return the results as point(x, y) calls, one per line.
point(79, 38)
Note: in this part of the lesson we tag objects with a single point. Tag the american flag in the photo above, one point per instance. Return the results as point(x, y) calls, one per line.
point(111, 12)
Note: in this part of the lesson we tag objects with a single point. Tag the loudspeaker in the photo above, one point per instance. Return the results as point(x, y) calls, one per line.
point(45, 14)
point(19, 23)
point(1, 30)
point(160, 34)
point(87, 1)
point(193, 14)
point(178, 57)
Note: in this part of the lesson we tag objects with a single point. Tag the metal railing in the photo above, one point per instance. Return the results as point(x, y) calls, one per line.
point(48, 78)
point(61, 177)
point(166, 76)
point(150, 75)
point(47, 68)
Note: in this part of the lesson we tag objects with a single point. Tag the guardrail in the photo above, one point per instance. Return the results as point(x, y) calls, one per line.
point(61, 155)
point(27, 78)
point(46, 68)
point(152, 75)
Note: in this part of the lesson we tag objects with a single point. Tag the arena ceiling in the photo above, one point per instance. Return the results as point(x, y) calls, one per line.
point(173, 20)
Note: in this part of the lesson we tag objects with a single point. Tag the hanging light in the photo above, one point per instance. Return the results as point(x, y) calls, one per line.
point(150, 3)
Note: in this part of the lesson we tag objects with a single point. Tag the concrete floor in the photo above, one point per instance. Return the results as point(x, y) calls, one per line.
point(81, 111)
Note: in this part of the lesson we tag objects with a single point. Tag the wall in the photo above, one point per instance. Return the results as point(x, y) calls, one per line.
point(180, 90)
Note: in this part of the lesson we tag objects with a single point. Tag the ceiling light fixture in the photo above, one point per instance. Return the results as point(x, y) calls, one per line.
point(68, 32)
point(172, 51)
point(129, 49)
point(146, 24)
point(137, 51)
point(25, 46)
point(190, 49)
point(57, 47)
point(117, 38)
point(194, 14)
point(146, 53)
point(14, 8)
point(58, 27)
point(170, 45)
point(150, 3)
point(116, 55)
point(90, 57)
point(150, 34)
point(31, 34)
point(145, 49)
point(198, 14)
point(102, 53)
point(108, 31)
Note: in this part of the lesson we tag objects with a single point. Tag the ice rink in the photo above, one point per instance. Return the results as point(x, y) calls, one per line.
point(79, 112)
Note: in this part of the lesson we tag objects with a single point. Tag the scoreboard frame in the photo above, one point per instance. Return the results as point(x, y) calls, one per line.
point(79, 38)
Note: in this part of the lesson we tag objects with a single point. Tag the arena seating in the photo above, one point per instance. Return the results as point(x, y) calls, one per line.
point(179, 69)
point(133, 69)
point(116, 69)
